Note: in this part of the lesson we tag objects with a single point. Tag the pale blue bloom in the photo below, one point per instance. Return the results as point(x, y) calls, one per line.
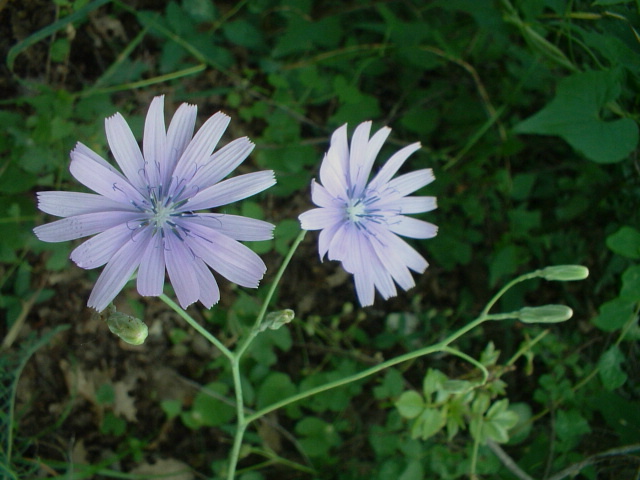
point(148, 217)
point(360, 220)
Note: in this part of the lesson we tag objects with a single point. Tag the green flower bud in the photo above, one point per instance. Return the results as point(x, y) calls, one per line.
point(275, 320)
point(545, 314)
point(564, 273)
point(130, 329)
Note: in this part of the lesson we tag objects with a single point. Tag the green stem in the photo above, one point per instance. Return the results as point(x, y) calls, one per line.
point(199, 328)
point(438, 347)
point(502, 291)
point(235, 357)
point(471, 360)
point(272, 289)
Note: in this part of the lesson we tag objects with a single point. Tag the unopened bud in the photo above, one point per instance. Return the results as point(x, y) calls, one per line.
point(565, 273)
point(275, 320)
point(545, 314)
point(130, 329)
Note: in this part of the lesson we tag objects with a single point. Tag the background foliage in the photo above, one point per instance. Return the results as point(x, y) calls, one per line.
point(527, 112)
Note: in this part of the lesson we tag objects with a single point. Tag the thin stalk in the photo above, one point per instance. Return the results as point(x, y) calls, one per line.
point(438, 347)
point(272, 289)
point(199, 328)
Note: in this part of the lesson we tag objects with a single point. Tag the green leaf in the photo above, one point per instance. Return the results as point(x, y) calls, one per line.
point(433, 381)
point(275, 387)
point(410, 404)
point(570, 427)
point(428, 423)
point(610, 370)
point(625, 242)
point(614, 314)
point(209, 409)
point(575, 115)
point(631, 284)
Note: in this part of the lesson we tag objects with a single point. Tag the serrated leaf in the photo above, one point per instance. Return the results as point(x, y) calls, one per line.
point(625, 242)
point(575, 115)
point(610, 369)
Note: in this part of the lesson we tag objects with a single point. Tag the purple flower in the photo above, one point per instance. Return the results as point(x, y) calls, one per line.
point(360, 220)
point(147, 217)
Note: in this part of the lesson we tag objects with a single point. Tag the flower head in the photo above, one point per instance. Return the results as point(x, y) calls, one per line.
point(360, 220)
point(148, 217)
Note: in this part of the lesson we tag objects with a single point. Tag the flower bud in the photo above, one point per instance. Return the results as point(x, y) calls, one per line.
point(564, 273)
point(130, 329)
point(545, 314)
point(275, 320)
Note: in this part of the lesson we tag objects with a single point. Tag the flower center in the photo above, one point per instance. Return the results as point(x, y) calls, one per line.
point(356, 209)
point(161, 214)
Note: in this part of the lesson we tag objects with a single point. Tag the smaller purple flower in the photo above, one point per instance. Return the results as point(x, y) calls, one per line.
point(360, 220)
point(148, 218)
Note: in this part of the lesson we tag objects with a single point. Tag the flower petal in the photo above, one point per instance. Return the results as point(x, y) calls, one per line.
point(67, 204)
point(201, 146)
point(364, 289)
point(325, 238)
point(391, 167)
point(321, 196)
point(235, 226)
point(154, 142)
point(413, 227)
point(125, 149)
point(393, 263)
point(412, 181)
point(117, 272)
point(357, 156)
point(103, 180)
point(416, 204)
point(407, 255)
point(98, 250)
point(319, 218)
point(209, 290)
point(80, 226)
point(371, 152)
point(223, 162)
point(150, 280)
point(234, 261)
point(180, 265)
point(334, 169)
point(231, 190)
point(179, 135)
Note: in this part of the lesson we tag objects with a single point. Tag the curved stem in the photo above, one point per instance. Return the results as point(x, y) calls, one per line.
point(199, 328)
point(471, 360)
point(438, 347)
point(502, 291)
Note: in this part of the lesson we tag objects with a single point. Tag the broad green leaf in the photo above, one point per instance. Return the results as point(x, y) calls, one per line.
point(410, 404)
point(575, 115)
point(275, 387)
point(610, 370)
point(428, 423)
point(433, 382)
point(625, 242)
point(614, 314)
point(208, 407)
point(631, 284)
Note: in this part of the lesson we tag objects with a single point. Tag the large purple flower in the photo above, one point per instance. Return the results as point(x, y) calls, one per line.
point(360, 220)
point(148, 219)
